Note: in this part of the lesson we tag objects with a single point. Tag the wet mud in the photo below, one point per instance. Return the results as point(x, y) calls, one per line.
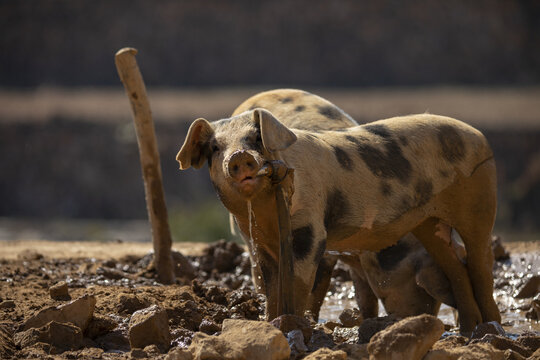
point(212, 287)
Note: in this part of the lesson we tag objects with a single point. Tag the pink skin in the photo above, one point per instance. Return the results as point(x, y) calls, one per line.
point(242, 167)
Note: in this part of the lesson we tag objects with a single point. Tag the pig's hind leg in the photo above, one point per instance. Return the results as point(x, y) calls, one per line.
point(436, 238)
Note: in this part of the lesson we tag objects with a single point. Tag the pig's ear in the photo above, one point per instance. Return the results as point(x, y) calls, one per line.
point(275, 136)
point(195, 150)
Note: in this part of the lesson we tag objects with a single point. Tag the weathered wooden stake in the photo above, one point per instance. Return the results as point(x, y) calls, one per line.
point(129, 73)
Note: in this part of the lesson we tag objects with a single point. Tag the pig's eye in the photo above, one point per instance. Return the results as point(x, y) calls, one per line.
point(215, 148)
point(259, 138)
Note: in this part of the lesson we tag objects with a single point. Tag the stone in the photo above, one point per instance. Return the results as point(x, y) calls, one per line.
point(327, 354)
point(59, 291)
point(530, 289)
point(137, 354)
point(99, 325)
point(296, 343)
point(354, 351)
point(61, 337)
point(115, 340)
point(512, 355)
point(242, 339)
point(7, 304)
point(351, 317)
point(491, 327)
point(209, 327)
point(320, 339)
point(287, 323)
point(179, 354)
point(530, 340)
point(7, 346)
point(129, 303)
point(345, 334)
point(534, 310)
point(370, 327)
point(504, 343)
point(478, 351)
point(410, 338)
point(149, 326)
point(535, 355)
point(451, 341)
point(78, 312)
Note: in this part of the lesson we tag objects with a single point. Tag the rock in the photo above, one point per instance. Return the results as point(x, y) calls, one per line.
point(78, 312)
point(478, 351)
point(499, 252)
point(115, 340)
point(99, 325)
point(137, 354)
point(451, 341)
point(287, 323)
point(483, 329)
point(152, 351)
point(351, 317)
point(354, 351)
point(530, 289)
point(530, 341)
point(327, 354)
point(179, 354)
point(128, 304)
point(535, 355)
point(512, 355)
point(370, 327)
point(59, 291)
point(296, 343)
point(7, 346)
point(61, 337)
point(320, 339)
point(149, 326)
point(242, 339)
point(7, 304)
point(186, 314)
point(409, 338)
point(345, 334)
point(504, 343)
point(209, 327)
point(206, 346)
point(182, 266)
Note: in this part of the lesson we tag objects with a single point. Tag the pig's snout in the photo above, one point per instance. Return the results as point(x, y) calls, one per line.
point(242, 165)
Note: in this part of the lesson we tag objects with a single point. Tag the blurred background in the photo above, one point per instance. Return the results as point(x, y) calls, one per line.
point(69, 167)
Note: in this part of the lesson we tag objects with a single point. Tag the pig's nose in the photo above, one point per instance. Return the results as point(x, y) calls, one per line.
point(242, 165)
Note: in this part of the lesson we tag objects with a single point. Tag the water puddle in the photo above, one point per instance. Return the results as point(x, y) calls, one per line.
point(510, 275)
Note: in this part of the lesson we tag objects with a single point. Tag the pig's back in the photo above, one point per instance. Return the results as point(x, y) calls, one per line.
point(299, 109)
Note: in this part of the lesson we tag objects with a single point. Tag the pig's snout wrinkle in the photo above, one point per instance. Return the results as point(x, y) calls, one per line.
point(242, 166)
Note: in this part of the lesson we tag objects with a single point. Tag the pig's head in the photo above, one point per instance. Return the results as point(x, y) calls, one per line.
point(236, 149)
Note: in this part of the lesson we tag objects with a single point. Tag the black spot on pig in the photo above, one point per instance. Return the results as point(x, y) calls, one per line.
point(343, 158)
point(286, 100)
point(330, 112)
point(336, 208)
point(300, 108)
point(444, 173)
point(385, 163)
point(452, 145)
point(302, 242)
point(378, 129)
point(386, 189)
point(423, 192)
point(390, 257)
point(353, 139)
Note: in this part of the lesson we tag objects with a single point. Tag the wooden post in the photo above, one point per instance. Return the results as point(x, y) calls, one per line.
point(129, 73)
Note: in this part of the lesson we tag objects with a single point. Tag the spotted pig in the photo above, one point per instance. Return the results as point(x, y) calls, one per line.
point(404, 277)
point(359, 188)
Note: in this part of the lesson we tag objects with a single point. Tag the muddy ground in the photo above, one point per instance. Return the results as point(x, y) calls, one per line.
point(217, 287)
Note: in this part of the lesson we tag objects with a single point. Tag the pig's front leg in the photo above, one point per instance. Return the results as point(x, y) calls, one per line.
point(309, 244)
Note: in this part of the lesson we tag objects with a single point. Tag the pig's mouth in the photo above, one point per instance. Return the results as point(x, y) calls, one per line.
point(248, 185)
